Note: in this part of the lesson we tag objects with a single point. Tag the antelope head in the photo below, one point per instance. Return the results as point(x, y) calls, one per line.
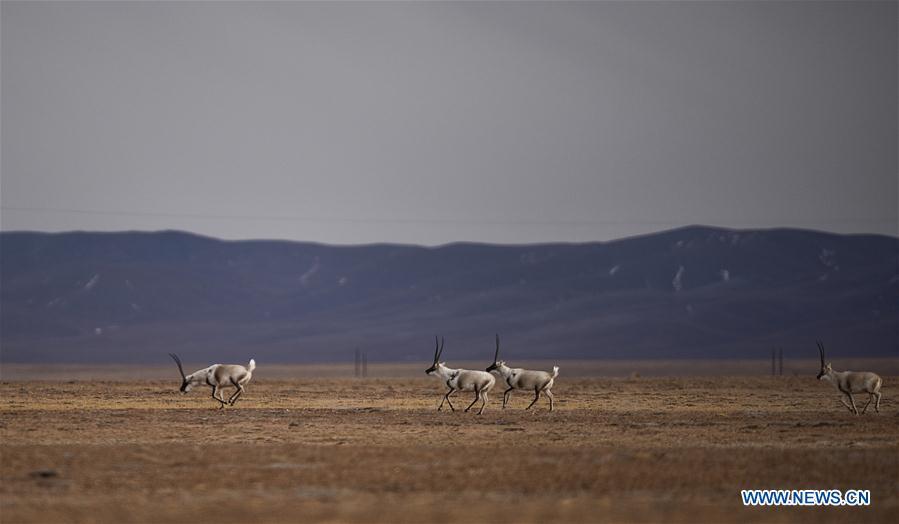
point(438, 350)
point(825, 366)
point(185, 380)
point(496, 363)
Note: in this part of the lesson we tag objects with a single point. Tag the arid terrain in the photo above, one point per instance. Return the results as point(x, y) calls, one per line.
point(312, 446)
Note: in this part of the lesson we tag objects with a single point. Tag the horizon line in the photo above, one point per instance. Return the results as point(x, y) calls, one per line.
point(445, 244)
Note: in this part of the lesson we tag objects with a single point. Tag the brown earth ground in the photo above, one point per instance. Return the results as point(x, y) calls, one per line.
point(375, 450)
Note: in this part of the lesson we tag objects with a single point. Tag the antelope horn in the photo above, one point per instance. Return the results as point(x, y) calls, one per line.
point(496, 354)
point(178, 361)
point(821, 351)
point(441, 350)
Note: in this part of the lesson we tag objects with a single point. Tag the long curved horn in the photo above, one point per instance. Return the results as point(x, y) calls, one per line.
point(496, 354)
point(441, 350)
point(178, 361)
point(821, 351)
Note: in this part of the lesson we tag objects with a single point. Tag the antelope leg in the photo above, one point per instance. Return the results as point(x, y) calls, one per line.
point(447, 400)
point(484, 397)
point(549, 394)
point(233, 398)
point(536, 398)
point(215, 390)
point(843, 400)
point(236, 395)
point(477, 395)
point(870, 397)
point(852, 400)
point(506, 396)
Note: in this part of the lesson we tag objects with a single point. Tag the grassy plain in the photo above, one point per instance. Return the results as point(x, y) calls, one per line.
point(126, 447)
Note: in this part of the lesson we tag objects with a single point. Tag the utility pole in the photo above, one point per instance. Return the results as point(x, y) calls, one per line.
point(773, 368)
point(356, 369)
point(780, 355)
point(364, 364)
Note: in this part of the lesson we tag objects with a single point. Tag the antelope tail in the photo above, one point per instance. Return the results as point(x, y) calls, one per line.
point(555, 371)
point(251, 366)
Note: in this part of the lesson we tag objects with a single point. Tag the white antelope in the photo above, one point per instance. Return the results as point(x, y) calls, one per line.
point(517, 378)
point(217, 376)
point(849, 382)
point(480, 382)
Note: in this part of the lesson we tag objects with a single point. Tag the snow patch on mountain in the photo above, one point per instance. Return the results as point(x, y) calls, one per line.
point(677, 282)
point(306, 277)
point(92, 282)
point(827, 257)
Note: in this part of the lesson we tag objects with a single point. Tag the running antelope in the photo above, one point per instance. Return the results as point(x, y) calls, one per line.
point(517, 378)
point(849, 382)
point(460, 380)
point(217, 376)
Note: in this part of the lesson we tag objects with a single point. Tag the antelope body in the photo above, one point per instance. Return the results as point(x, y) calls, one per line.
point(480, 382)
point(218, 376)
point(849, 382)
point(518, 378)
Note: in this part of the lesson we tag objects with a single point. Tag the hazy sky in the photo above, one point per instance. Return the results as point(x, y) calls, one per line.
point(435, 122)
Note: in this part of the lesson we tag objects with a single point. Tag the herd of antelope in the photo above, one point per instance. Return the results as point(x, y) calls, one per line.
point(220, 376)
point(481, 382)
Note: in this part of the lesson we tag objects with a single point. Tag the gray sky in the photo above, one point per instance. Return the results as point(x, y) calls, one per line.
point(435, 122)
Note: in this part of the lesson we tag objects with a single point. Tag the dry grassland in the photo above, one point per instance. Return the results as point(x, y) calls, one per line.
point(376, 450)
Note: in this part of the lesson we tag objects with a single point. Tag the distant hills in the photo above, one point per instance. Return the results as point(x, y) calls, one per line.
point(691, 292)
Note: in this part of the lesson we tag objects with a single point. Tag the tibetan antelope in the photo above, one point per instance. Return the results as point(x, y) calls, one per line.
point(517, 378)
point(849, 382)
point(217, 376)
point(460, 380)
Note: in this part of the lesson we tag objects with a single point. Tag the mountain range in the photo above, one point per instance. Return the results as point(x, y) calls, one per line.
point(698, 292)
